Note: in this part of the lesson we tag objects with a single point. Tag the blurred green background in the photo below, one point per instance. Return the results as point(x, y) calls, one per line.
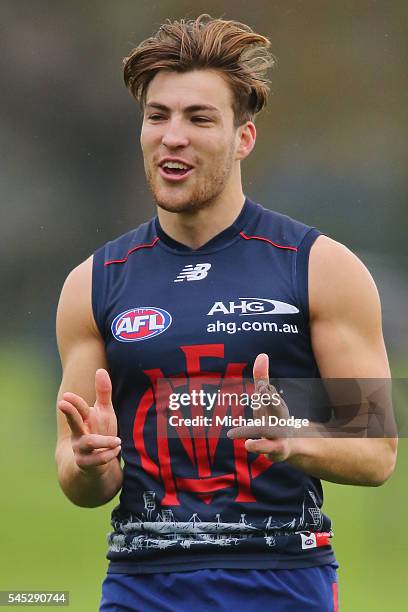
point(331, 151)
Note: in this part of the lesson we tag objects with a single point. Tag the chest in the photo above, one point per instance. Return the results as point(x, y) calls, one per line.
point(200, 313)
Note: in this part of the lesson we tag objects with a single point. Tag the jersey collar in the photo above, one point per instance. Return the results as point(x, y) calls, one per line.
point(221, 240)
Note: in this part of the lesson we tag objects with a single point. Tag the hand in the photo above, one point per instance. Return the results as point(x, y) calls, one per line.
point(93, 428)
point(270, 440)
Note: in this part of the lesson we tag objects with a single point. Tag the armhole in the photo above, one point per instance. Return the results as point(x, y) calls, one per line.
point(99, 290)
point(302, 270)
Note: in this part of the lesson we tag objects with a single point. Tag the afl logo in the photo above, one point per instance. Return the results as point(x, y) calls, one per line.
point(140, 324)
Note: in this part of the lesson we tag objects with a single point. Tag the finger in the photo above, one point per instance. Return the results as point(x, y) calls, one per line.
point(91, 442)
point(261, 372)
point(79, 403)
point(73, 417)
point(272, 406)
point(275, 449)
point(246, 431)
point(103, 388)
point(262, 431)
point(95, 459)
point(276, 406)
point(261, 383)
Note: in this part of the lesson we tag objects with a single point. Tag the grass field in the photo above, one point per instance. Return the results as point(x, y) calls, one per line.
point(47, 543)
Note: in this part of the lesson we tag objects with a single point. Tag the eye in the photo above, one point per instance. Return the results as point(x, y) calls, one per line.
point(201, 119)
point(155, 117)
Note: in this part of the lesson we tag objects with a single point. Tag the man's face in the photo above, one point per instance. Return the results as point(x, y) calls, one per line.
point(188, 119)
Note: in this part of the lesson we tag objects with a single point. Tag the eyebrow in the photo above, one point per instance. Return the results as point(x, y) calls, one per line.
point(188, 109)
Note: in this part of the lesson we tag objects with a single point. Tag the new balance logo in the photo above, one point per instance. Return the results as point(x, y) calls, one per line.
point(193, 273)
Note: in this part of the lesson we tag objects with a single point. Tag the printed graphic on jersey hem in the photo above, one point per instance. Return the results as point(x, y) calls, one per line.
point(155, 528)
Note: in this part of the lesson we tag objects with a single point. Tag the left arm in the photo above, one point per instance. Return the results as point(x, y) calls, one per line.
point(347, 341)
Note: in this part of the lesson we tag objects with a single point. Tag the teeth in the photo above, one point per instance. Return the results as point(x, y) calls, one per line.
point(176, 165)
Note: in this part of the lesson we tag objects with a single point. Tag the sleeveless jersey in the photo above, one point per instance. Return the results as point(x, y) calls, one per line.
point(168, 312)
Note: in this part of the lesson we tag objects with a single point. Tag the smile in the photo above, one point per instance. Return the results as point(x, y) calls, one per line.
point(174, 175)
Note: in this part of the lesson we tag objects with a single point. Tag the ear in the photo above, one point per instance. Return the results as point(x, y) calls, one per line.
point(246, 135)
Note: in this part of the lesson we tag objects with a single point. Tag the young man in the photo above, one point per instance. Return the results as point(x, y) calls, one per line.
point(215, 287)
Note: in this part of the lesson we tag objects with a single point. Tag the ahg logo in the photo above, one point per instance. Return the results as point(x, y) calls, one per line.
point(253, 306)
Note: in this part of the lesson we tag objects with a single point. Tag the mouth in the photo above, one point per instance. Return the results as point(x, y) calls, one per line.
point(173, 174)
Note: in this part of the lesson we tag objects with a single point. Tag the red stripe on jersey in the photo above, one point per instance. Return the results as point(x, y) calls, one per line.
point(335, 597)
point(279, 246)
point(322, 538)
point(140, 246)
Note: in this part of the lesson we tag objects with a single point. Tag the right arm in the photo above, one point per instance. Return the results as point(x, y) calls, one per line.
point(87, 451)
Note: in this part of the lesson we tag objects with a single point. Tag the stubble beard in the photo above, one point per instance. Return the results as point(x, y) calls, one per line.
point(203, 194)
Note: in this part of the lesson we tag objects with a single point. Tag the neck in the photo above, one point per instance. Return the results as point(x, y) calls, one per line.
point(195, 228)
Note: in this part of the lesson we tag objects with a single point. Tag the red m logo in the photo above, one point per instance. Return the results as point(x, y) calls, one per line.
point(152, 414)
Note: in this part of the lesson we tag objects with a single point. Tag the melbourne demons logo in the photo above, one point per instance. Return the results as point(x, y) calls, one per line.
point(140, 324)
point(196, 461)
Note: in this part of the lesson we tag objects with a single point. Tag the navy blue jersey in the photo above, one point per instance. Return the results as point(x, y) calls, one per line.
point(168, 312)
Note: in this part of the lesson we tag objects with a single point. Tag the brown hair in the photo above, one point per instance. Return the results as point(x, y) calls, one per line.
point(240, 55)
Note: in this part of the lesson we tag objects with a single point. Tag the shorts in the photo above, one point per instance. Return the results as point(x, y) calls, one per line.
point(311, 589)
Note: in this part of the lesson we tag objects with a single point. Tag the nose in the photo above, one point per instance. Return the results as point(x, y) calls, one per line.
point(174, 135)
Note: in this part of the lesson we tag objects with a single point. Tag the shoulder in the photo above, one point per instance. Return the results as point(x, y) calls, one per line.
point(118, 249)
point(284, 229)
point(76, 294)
point(79, 276)
point(339, 282)
point(74, 313)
